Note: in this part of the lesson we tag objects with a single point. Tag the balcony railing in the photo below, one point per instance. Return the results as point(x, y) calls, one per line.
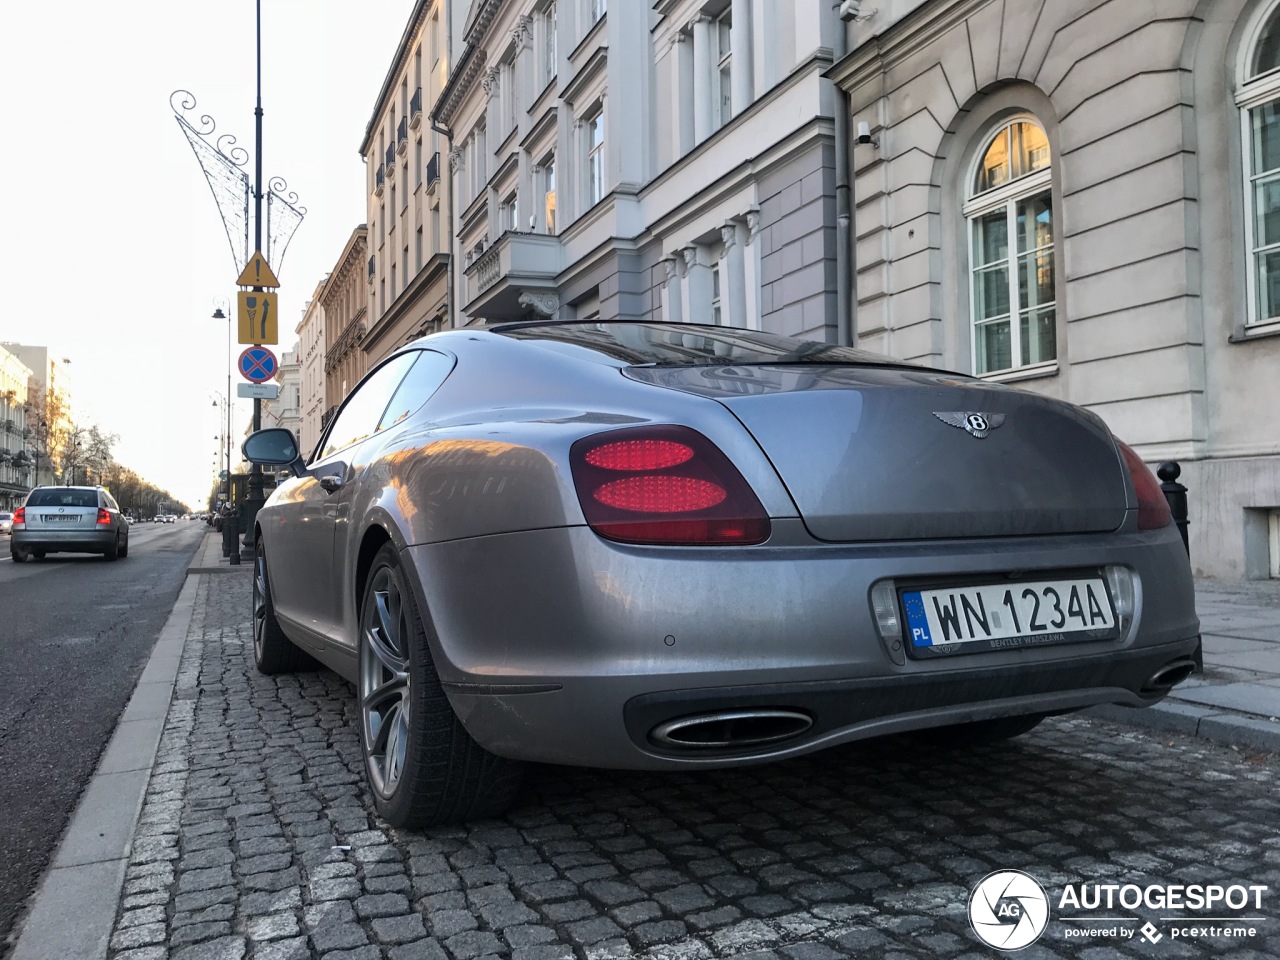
point(372, 268)
point(415, 109)
point(379, 180)
point(391, 160)
point(433, 168)
point(516, 264)
point(402, 135)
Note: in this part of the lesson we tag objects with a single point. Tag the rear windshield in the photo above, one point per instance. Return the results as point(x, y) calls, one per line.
point(54, 497)
point(688, 345)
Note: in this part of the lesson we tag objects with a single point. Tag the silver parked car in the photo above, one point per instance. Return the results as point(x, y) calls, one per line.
point(643, 545)
point(69, 520)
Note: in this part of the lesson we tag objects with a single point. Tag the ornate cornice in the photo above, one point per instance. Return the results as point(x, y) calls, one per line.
point(398, 63)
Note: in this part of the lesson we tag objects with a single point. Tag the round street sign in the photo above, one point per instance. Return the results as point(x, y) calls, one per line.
point(257, 364)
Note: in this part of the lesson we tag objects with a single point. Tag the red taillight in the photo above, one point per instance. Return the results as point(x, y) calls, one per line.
point(664, 485)
point(104, 516)
point(1153, 508)
point(20, 515)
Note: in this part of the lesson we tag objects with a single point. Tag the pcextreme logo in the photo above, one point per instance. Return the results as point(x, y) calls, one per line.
point(1009, 910)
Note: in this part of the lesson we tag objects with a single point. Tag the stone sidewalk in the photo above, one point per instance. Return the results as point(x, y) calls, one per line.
point(1237, 698)
point(250, 833)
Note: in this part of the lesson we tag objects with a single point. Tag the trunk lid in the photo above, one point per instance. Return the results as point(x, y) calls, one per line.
point(892, 453)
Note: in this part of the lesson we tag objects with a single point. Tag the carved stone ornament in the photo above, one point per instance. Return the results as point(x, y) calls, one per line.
point(522, 35)
point(491, 81)
point(672, 266)
point(753, 224)
point(728, 237)
point(456, 159)
point(547, 304)
point(690, 258)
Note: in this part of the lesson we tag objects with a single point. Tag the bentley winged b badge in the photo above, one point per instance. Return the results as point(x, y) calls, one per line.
point(978, 424)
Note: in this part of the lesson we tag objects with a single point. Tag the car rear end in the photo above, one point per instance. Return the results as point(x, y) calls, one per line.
point(815, 553)
point(63, 520)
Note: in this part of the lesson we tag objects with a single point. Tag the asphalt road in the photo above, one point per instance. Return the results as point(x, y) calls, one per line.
point(75, 633)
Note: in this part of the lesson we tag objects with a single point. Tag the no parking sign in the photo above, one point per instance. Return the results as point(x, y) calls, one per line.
point(257, 364)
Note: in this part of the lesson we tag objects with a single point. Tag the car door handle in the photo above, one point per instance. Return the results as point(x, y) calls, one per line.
point(331, 482)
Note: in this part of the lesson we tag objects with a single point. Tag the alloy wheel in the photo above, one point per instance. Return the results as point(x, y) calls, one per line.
point(385, 687)
point(259, 599)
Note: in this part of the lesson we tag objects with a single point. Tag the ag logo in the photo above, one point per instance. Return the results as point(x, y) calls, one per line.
point(1008, 910)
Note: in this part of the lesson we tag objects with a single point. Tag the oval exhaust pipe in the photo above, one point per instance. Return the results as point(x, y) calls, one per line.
point(731, 729)
point(1170, 675)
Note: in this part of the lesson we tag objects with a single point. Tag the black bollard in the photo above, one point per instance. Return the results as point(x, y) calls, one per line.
point(231, 538)
point(1176, 496)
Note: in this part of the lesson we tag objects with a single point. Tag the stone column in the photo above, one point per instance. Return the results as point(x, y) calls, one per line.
point(751, 269)
point(733, 292)
point(742, 87)
point(672, 311)
point(682, 110)
point(703, 87)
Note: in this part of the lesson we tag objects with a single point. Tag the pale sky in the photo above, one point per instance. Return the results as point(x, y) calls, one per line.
point(115, 249)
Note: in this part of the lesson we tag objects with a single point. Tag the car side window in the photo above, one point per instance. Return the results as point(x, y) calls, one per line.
point(111, 502)
point(360, 414)
point(424, 379)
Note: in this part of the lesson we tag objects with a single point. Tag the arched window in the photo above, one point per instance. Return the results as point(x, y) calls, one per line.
point(1258, 96)
point(1011, 253)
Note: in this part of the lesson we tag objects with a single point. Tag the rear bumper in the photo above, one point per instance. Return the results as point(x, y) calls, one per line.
point(560, 647)
point(64, 541)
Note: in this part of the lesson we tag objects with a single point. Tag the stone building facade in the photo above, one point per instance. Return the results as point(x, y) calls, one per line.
point(644, 161)
point(344, 300)
point(16, 446)
point(311, 349)
point(1083, 198)
point(408, 202)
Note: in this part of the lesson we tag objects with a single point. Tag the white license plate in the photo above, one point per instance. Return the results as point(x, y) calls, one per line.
point(966, 619)
point(59, 517)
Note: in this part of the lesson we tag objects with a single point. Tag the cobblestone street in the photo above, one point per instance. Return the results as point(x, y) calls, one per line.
point(257, 840)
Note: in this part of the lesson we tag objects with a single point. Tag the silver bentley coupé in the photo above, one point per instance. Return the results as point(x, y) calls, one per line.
point(670, 546)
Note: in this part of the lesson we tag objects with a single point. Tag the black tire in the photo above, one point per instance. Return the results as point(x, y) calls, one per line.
point(124, 551)
point(113, 551)
point(424, 769)
point(982, 732)
point(17, 556)
point(38, 554)
point(273, 652)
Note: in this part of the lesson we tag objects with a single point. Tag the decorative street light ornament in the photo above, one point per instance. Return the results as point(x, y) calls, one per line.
point(221, 167)
point(221, 162)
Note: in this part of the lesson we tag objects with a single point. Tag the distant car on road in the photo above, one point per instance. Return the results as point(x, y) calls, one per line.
point(68, 520)
point(6, 522)
point(671, 546)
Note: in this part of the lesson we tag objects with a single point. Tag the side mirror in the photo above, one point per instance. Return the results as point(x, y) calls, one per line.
point(274, 447)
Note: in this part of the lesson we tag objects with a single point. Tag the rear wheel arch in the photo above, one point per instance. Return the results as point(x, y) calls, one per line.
point(374, 539)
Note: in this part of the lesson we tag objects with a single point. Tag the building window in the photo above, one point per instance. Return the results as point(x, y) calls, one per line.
point(1259, 100)
point(394, 211)
point(598, 9)
point(433, 33)
point(549, 54)
point(549, 194)
point(595, 157)
point(417, 248)
point(723, 106)
point(716, 314)
point(509, 213)
point(1011, 252)
point(417, 162)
